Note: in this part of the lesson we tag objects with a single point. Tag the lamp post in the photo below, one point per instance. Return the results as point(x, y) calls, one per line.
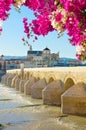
point(22, 70)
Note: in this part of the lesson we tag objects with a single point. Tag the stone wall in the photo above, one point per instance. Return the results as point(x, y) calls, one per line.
point(76, 74)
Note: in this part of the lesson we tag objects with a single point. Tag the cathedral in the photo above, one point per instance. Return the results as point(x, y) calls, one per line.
point(44, 55)
point(33, 59)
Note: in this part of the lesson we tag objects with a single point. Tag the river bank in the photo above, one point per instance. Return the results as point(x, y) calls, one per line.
point(20, 112)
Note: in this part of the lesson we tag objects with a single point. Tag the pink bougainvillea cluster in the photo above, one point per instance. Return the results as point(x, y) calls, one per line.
point(4, 8)
point(59, 15)
point(26, 27)
point(76, 25)
point(42, 25)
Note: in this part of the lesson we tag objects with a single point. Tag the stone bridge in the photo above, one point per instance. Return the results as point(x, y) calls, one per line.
point(71, 86)
point(68, 75)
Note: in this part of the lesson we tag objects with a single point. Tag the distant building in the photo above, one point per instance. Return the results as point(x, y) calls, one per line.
point(42, 58)
point(36, 58)
point(31, 55)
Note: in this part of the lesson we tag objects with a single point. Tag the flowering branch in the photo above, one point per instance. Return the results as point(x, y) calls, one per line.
point(59, 15)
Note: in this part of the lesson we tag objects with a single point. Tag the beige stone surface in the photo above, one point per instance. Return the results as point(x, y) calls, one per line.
point(68, 75)
point(69, 83)
point(76, 74)
point(9, 80)
point(73, 101)
point(3, 78)
point(36, 90)
point(28, 85)
point(13, 81)
point(17, 82)
point(51, 95)
point(21, 85)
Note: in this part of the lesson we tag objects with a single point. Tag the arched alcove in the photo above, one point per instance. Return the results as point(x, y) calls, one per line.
point(38, 78)
point(30, 76)
point(27, 75)
point(69, 83)
point(51, 79)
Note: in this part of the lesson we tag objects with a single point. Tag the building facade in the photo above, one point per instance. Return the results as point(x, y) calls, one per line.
point(42, 58)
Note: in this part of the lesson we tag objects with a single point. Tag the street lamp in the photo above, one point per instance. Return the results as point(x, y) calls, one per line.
point(22, 70)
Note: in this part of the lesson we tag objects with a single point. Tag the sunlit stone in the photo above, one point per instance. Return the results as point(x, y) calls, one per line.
point(51, 94)
point(21, 85)
point(9, 80)
point(13, 81)
point(3, 79)
point(17, 82)
point(28, 85)
point(36, 90)
point(73, 101)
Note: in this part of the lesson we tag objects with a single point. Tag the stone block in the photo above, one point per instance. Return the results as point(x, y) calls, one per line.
point(21, 85)
point(3, 78)
point(28, 85)
point(17, 82)
point(9, 80)
point(51, 94)
point(73, 101)
point(36, 90)
point(13, 81)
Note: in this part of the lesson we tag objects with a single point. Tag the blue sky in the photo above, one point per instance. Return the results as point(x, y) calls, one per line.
point(11, 43)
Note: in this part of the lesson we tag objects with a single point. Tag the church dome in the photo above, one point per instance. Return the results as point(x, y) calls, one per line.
point(47, 49)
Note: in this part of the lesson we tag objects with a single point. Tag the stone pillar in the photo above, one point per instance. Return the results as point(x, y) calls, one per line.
point(51, 94)
point(36, 90)
point(13, 81)
point(73, 101)
point(3, 79)
point(17, 82)
point(21, 85)
point(9, 80)
point(6, 77)
point(28, 85)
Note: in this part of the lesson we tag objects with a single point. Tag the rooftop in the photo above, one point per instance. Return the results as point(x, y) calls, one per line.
point(46, 48)
point(35, 52)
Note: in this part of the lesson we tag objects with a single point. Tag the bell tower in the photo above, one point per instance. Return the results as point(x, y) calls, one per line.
point(30, 48)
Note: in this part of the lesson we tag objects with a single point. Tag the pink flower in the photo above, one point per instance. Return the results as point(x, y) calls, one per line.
point(33, 4)
point(58, 17)
point(70, 15)
point(23, 39)
point(42, 25)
